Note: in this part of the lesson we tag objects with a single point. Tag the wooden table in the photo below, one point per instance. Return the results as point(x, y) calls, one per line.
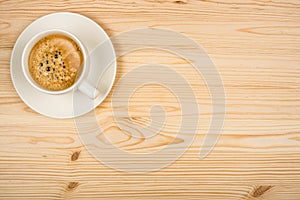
point(255, 45)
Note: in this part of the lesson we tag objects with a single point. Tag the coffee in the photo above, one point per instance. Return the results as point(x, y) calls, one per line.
point(55, 62)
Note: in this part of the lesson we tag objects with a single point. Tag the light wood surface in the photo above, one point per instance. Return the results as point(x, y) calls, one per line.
point(255, 44)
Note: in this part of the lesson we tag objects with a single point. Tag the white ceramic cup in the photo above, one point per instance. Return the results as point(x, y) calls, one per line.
point(81, 83)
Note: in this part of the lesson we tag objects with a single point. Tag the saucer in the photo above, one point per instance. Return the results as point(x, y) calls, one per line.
point(102, 60)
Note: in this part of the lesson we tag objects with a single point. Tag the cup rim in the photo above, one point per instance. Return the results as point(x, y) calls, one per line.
point(33, 41)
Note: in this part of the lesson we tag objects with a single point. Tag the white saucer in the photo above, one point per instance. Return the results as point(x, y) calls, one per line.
point(102, 61)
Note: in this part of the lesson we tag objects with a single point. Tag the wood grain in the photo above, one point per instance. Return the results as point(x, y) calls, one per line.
point(255, 45)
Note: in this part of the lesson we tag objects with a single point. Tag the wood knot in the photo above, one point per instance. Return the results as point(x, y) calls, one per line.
point(75, 155)
point(72, 185)
point(180, 2)
point(260, 190)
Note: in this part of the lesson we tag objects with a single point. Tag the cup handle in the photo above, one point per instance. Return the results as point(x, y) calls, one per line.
point(88, 90)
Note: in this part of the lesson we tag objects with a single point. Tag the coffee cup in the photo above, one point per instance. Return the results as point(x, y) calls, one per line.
point(80, 82)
